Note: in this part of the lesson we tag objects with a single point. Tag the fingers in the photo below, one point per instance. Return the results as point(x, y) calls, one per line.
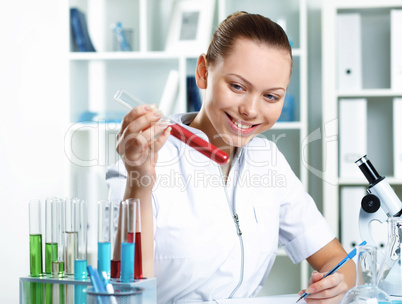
point(136, 113)
point(331, 287)
point(134, 122)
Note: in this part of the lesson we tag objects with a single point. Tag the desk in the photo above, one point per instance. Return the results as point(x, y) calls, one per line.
point(280, 299)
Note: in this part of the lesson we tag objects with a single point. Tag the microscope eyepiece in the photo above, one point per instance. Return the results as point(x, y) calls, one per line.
point(368, 170)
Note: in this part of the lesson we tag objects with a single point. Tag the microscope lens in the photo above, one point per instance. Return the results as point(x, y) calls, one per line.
point(368, 170)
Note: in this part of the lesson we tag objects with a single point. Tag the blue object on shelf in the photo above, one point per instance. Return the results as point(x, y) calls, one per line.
point(288, 111)
point(79, 31)
point(104, 117)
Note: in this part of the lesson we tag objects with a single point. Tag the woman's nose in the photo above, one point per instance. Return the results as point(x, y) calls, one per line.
point(248, 108)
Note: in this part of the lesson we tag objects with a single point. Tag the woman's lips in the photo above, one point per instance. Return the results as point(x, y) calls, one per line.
point(240, 126)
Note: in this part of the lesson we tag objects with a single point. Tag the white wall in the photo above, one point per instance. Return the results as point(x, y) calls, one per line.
point(33, 104)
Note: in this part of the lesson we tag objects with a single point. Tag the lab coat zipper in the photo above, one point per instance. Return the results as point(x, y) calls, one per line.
point(237, 224)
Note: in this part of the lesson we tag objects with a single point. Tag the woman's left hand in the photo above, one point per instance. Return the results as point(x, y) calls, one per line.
point(329, 290)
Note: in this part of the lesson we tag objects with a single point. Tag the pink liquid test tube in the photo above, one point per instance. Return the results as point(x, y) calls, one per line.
point(181, 133)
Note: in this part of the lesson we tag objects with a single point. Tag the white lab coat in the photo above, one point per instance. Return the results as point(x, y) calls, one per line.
point(200, 254)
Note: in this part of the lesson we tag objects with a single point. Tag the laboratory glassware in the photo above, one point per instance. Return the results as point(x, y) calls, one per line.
point(80, 262)
point(390, 272)
point(138, 248)
point(105, 225)
point(70, 234)
point(127, 240)
point(35, 249)
point(178, 131)
point(366, 290)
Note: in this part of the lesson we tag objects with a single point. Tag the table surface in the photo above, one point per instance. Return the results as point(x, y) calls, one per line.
point(279, 299)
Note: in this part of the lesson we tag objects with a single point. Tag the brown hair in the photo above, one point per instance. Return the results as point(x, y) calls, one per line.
point(250, 26)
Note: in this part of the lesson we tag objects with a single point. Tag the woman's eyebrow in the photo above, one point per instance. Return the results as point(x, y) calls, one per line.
point(251, 85)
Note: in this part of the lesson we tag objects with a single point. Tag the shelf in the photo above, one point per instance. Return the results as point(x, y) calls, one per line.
point(368, 4)
point(127, 55)
point(143, 55)
point(376, 71)
point(291, 125)
point(357, 182)
point(370, 93)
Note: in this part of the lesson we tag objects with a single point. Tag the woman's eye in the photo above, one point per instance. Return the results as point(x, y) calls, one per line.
point(236, 87)
point(271, 97)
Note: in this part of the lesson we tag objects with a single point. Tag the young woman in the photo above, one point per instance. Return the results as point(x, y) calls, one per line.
point(209, 231)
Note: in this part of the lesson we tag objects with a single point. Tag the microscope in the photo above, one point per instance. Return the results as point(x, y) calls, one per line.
point(380, 203)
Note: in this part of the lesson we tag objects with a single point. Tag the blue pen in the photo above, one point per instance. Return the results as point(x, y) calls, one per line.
point(95, 280)
point(333, 270)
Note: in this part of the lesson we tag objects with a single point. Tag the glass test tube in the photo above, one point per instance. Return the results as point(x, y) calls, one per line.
point(57, 238)
point(127, 240)
point(48, 236)
point(49, 258)
point(115, 262)
point(105, 225)
point(35, 250)
point(35, 238)
point(138, 249)
point(80, 263)
point(70, 234)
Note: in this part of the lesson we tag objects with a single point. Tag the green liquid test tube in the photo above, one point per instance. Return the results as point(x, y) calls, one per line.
point(35, 250)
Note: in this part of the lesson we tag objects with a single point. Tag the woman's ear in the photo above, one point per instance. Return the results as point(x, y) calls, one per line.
point(201, 72)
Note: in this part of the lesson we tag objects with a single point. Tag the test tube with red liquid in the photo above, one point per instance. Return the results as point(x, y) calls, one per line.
point(138, 249)
point(178, 131)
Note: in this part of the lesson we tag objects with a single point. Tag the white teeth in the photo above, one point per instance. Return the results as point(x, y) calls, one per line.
point(240, 125)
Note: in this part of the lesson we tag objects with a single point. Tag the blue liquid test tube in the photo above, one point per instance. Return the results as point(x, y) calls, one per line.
point(105, 225)
point(128, 240)
point(80, 263)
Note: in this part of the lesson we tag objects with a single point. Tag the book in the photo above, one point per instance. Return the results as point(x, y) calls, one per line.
point(193, 95)
point(79, 31)
point(352, 135)
point(349, 51)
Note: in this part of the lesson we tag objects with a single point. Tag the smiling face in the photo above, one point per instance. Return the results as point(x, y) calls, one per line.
point(244, 93)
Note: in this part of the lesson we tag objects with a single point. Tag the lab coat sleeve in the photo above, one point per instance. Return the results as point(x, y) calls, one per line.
point(303, 229)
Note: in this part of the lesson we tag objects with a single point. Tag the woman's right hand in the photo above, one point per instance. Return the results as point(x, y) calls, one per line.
point(136, 142)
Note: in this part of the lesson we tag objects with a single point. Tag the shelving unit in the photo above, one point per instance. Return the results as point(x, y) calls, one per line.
point(376, 89)
point(96, 76)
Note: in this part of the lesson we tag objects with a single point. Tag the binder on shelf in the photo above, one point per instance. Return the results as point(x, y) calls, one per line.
point(351, 198)
point(397, 129)
point(79, 31)
point(193, 95)
point(349, 52)
point(352, 135)
point(396, 49)
point(169, 95)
